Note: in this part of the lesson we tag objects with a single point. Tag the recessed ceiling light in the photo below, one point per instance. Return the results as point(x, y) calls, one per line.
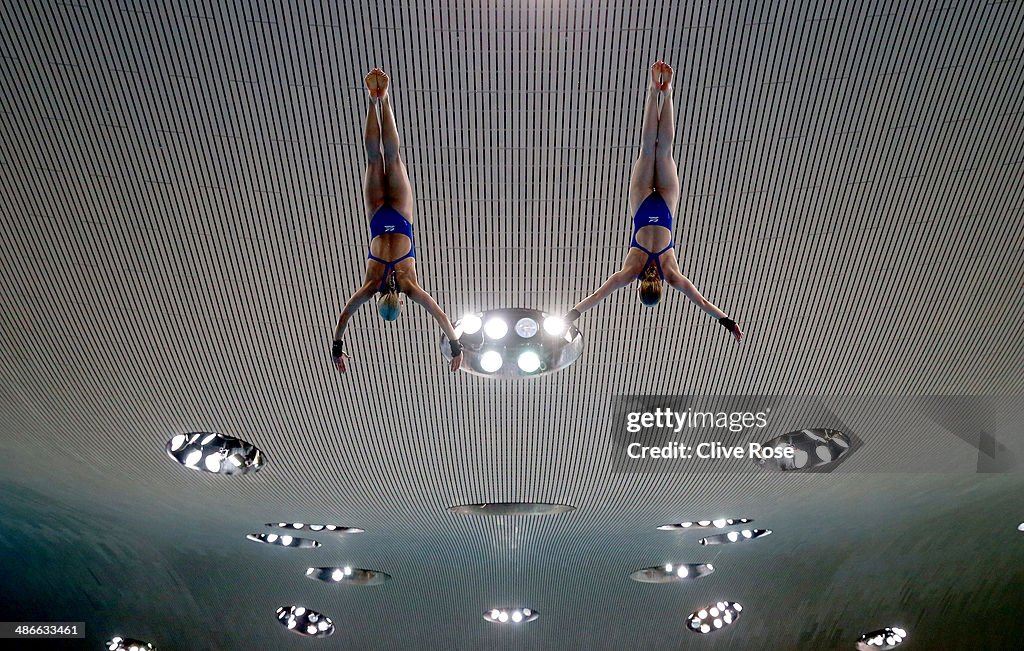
point(216, 453)
point(672, 572)
point(511, 508)
point(882, 639)
point(315, 528)
point(283, 541)
point(304, 621)
point(508, 343)
point(347, 574)
point(128, 644)
point(714, 617)
point(526, 327)
point(1020, 527)
point(705, 524)
point(735, 536)
point(511, 615)
point(807, 450)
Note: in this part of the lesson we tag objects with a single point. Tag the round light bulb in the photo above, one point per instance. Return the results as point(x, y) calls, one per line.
point(526, 327)
point(193, 458)
point(212, 462)
point(528, 361)
point(470, 324)
point(554, 325)
point(517, 616)
point(491, 361)
point(496, 328)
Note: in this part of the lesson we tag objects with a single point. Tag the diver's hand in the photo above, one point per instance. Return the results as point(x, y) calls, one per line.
point(456, 362)
point(732, 327)
point(737, 333)
point(339, 356)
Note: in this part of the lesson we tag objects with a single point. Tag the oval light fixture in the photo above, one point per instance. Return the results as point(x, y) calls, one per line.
point(305, 622)
point(714, 617)
point(511, 615)
point(814, 450)
point(735, 536)
point(215, 453)
point(128, 644)
point(283, 541)
point(515, 343)
point(315, 528)
point(347, 574)
point(881, 640)
point(718, 523)
point(511, 508)
point(672, 572)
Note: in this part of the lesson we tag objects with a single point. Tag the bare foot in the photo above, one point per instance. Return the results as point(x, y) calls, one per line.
point(656, 74)
point(371, 82)
point(666, 75)
point(382, 83)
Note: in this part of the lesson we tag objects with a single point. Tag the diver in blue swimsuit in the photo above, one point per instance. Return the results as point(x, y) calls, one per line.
point(391, 261)
point(653, 194)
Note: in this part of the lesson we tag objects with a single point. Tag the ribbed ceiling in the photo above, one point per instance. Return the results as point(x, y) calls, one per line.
point(181, 205)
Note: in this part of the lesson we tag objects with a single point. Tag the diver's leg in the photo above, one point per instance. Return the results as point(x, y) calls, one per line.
point(641, 181)
point(666, 175)
point(373, 179)
point(396, 179)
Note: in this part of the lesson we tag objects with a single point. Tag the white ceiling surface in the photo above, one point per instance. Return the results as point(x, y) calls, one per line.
point(182, 220)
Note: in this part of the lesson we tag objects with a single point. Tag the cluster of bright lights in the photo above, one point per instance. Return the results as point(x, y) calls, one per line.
point(735, 536)
point(511, 508)
point(884, 639)
point(672, 572)
point(283, 541)
point(515, 342)
point(217, 453)
point(331, 528)
point(809, 449)
point(720, 523)
point(347, 574)
point(713, 618)
point(303, 621)
point(128, 644)
point(511, 615)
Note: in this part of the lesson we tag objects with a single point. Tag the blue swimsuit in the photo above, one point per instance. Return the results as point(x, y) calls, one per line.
point(386, 221)
point(652, 212)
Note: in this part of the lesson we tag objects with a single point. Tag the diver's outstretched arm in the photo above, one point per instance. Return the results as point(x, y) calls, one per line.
point(617, 280)
point(681, 283)
point(355, 301)
point(420, 295)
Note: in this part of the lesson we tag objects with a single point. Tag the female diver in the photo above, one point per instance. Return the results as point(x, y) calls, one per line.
point(391, 263)
point(653, 195)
